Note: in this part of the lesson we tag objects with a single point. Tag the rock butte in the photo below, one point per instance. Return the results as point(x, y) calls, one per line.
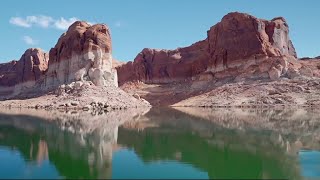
point(239, 47)
point(82, 53)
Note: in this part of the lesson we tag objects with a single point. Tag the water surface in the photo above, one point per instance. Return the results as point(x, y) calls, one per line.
point(160, 143)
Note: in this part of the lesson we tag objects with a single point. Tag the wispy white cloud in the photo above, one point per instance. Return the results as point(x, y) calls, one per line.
point(29, 21)
point(43, 22)
point(63, 23)
point(29, 40)
point(19, 22)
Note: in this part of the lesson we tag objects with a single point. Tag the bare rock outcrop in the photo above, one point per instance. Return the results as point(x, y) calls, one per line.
point(116, 63)
point(163, 66)
point(310, 67)
point(240, 46)
point(243, 45)
point(241, 36)
point(84, 52)
point(15, 76)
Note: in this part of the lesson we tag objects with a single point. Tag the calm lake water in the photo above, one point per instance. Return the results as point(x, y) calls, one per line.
point(161, 143)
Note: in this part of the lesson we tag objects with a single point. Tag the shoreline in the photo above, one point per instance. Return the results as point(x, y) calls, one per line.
point(86, 97)
point(97, 107)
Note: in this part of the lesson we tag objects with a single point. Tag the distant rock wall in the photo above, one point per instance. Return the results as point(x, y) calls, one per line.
point(163, 66)
point(239, 46)
point(16, 76)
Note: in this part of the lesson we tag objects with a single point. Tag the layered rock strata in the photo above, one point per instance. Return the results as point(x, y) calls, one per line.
point(82, 53)
point(163, 66)
point(241, 46)
point(16, 76)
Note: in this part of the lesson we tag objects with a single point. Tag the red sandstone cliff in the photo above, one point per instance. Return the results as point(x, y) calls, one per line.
point(158, 66)
point(30, 68)
point(238, 46)
point(82, 53)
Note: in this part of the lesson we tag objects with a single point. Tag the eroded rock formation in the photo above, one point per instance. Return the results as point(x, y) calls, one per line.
point(240, 46)
point(243, 46)
point(82, 53)
point(15, 76)
point(161, 66)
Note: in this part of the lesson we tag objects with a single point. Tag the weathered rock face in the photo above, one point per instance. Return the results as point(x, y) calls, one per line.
point(239, 46)
point(82, 53)
point(310, 67)
point(240, 36)
point(18, 75)
point(116, 63)
point(163, 66)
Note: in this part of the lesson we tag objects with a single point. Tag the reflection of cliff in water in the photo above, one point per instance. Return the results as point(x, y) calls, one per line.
point(74, 155)
point(294, 128)
point(225, 143)
point(221, 152)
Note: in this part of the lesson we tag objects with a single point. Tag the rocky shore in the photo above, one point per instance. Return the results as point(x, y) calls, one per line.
point(85, 97)
point(300, 92)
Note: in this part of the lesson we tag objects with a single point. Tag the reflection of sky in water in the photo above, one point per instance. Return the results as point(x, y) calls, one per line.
point(310, 163)
point(14, 166)
point(126, 164)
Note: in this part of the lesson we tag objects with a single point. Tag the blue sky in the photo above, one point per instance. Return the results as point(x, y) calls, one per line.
point(136, 24)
